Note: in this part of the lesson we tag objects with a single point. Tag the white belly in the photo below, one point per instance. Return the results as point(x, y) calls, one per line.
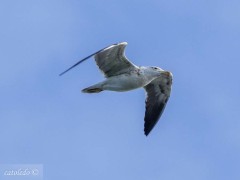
point(125, 82)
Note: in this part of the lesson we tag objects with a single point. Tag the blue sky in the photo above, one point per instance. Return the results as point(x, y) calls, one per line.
point(45, 119)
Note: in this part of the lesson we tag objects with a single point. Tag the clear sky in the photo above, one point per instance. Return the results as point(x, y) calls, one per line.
point(45, 119)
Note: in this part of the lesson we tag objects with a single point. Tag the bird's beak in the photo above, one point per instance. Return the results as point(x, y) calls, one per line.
point(167, 73)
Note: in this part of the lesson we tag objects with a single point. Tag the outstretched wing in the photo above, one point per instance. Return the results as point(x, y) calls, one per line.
point(158, 92)
point(112, 60)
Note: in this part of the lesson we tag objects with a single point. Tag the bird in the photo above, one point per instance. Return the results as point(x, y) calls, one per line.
point(122, 75)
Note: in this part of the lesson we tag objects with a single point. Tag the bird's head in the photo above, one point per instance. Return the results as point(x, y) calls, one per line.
point(159, 72)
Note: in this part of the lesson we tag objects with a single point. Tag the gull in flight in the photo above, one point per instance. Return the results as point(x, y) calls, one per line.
point(122, 75)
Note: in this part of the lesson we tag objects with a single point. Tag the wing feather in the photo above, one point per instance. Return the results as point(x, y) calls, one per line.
point(158, 93)
point(112, 60)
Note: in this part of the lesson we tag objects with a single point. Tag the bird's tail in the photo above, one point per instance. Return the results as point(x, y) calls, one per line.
point(93, 89)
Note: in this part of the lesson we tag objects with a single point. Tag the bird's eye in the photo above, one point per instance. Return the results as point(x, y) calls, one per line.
point(155, 68)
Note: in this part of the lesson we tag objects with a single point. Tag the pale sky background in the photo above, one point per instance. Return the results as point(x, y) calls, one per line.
point(45, 119)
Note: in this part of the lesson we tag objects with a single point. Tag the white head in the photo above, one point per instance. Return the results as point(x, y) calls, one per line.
point(154, 71)
point(157, 72)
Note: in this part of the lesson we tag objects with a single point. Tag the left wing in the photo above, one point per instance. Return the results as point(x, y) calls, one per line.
point(111, 60)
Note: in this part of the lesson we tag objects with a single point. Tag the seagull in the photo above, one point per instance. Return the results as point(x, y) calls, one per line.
point(122, 75)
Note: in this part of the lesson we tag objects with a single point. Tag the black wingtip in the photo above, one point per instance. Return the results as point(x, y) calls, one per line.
point(62, 73)
point(146, 132)
point(76, 64)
